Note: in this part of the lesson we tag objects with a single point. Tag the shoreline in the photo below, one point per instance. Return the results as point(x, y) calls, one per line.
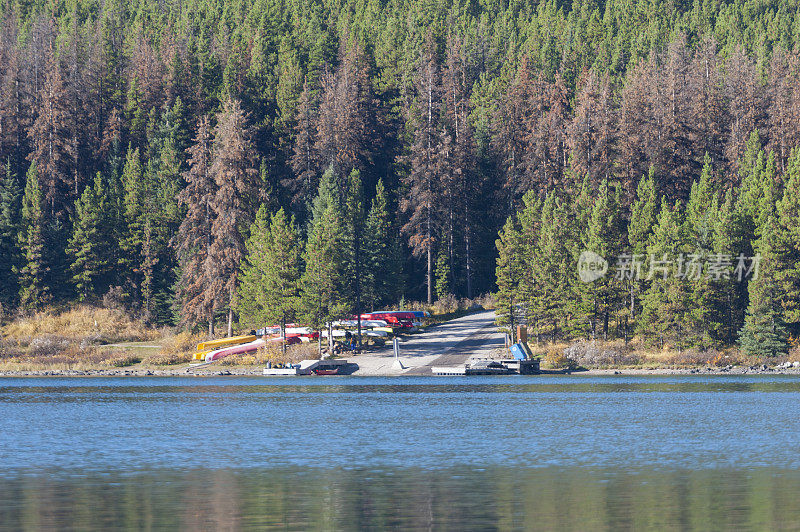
point(256, 371)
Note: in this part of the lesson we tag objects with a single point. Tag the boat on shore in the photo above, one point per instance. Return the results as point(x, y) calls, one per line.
point(326, 371)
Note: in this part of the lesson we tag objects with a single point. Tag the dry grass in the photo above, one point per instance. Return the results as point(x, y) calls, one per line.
point(638, 354)
point(71, 357)
point(175, 349)
point(167, 359)
point(96, 325)
point(556, 359)
point(73, 339)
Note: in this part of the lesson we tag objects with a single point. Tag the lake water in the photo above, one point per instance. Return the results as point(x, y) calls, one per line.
point(538, 452)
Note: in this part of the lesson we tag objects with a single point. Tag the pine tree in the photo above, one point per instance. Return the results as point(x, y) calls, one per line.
point(352, 224)
point(727, 300)
point(270, 282)
point(49, 133)
point(34, 292)
point(444, 285)
point(604, 296)
point(640, 227)
point(764, 332)
point(667, 300)
point(789, 230)
point(701, 212)
point(422, 201)
point(88, 245)
point(10, 258)
point(193, 240)
point(235, 174)
point(382, 254)
point(510, 271)
point(322, 283)
point(304, 161)
point(347, 120)
point(592, 133)
point(553, 268)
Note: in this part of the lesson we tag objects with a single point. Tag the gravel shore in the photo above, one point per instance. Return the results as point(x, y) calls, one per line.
point(256, 370)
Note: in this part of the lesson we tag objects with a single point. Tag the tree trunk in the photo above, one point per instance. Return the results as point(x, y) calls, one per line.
point(283, 334)
point(430, 276)
point(467, 262)
point(230, 315)
point(211, 326)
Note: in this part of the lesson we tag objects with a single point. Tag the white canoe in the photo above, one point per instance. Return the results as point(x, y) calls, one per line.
point(364, 323)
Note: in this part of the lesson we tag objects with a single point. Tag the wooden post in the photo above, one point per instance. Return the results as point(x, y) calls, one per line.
point(522, 333)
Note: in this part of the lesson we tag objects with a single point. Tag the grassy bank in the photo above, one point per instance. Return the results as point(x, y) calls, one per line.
point(85, 337)
point(639, 355)
point(89, 338)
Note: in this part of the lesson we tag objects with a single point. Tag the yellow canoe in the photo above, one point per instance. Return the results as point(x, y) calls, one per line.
point(201, 355)
point(222, 342)
point(384, 329)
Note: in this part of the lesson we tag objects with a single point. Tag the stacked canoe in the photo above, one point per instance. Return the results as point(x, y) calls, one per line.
point(217, 349)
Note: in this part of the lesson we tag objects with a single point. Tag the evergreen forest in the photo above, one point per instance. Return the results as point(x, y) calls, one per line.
point(240, 162)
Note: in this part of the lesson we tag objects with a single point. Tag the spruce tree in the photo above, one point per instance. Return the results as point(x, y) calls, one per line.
point(34, 292)
point(322, 283)
point(352, 224)
point(89, 244)
point(603, 297)
point(727, 299)
point(10, 224)
point(133, 205)
point(529, 221)
point(270, 281)
point(640, 226)
point(509, 272)
point(668, 298)
point(553, 267)
point(443, 280)
point(701, 212)
point(764, 332)
point(235, 174)
point(789, 230)
point(193, 240)
point(382, 254)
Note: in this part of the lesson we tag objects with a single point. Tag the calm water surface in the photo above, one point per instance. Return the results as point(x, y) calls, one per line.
point(540, 452)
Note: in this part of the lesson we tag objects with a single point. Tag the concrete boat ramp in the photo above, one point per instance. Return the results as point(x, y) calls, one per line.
point(452, 343)
point(470, 345)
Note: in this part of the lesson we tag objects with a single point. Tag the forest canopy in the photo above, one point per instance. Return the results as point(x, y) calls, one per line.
point(141, 141)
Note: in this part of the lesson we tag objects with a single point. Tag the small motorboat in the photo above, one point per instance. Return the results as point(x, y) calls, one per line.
point(326, 371)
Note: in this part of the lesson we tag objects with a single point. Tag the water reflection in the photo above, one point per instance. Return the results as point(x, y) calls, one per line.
point(495, 498)
point(343, 453)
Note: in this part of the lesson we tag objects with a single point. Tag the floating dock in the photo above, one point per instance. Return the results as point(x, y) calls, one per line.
point(306, 367)
point(491, 367)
